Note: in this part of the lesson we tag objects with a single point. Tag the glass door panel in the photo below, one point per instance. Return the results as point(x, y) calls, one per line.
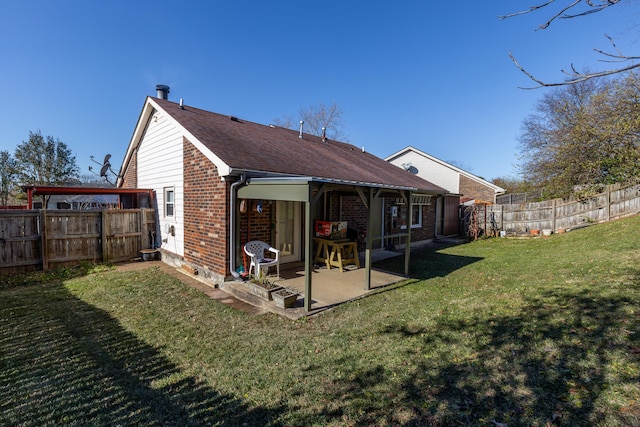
point(288, 230)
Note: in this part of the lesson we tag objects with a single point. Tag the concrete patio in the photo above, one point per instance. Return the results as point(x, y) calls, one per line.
point(330, 287)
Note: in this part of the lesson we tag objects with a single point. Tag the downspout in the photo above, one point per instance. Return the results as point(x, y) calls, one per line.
point(232, 224)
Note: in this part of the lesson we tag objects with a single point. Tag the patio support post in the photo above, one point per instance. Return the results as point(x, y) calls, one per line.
point(367, 251)
point(407, 249)
point(308, 249)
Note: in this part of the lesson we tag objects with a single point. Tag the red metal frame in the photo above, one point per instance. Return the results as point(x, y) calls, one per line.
point(40, 190)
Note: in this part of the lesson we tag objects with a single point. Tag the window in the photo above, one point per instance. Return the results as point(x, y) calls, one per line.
point(417, 202)
point(416, 216)
point(168, 202)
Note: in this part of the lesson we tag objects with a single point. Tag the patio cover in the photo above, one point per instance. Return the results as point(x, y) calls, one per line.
point(308, 190)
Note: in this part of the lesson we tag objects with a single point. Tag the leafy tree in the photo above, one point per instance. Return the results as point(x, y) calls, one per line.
point(583, 136)
point(44, 161)
point(569, 9)
point(513, 185)
point(7, 177)
point(316, 118)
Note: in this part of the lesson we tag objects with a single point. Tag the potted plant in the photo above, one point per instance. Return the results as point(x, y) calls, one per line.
point(262, 287)
point(284, 298)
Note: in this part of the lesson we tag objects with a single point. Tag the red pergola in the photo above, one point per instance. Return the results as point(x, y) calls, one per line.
point(127, 197)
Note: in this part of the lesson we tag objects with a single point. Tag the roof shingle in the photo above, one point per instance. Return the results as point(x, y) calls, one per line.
point(244, 145)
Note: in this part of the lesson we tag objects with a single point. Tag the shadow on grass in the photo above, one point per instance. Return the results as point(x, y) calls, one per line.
point(568, 358)
point(426, 263)
point(66, 362)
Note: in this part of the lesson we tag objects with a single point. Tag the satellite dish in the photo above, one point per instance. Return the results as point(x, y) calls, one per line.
point(105, 168)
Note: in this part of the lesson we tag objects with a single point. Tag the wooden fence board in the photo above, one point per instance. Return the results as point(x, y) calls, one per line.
point(45, 239)
point(615, 202)
point(19, 240)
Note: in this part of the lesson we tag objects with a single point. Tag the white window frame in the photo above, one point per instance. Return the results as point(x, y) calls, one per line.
point(167, 203)
point(417, 202)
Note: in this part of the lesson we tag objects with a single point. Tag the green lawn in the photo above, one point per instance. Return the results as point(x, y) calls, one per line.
point(519, 332)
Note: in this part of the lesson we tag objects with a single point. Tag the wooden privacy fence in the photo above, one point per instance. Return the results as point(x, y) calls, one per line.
point(31, 240)
point(617, 201)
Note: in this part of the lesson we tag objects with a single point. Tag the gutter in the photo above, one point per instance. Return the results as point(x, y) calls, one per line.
point(232, 224)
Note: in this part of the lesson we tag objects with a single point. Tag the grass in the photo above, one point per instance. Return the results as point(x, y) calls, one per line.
point(520, 332)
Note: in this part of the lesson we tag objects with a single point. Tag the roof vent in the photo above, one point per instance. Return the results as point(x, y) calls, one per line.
point(233, 118)
point(324, 134)
point(301, 126)
point(162, 91)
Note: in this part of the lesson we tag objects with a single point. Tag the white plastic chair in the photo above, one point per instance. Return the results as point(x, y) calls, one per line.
point(256, 250)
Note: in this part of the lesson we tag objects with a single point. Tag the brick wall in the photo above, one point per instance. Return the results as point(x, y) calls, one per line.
point(418, 234)
point(206, 220)
point(476, 190)
point(354, 212)
point(255, 225)
point(130, 177)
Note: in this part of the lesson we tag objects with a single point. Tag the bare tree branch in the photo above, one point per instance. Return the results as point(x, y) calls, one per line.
point(523, 12)
point(595, 7)
point(574, 75)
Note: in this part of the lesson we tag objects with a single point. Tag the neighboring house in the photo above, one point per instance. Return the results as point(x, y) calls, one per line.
point(463, 187)
point(445, 175)
point(221, 181)
point(80, 202)
point(86, 198)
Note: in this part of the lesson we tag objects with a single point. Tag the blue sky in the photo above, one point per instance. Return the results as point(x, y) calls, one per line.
point(434, 75)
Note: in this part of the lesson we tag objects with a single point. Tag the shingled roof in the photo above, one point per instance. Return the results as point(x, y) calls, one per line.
point(247, 146)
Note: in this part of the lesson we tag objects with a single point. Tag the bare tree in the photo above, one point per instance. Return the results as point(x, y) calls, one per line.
point(573, 9)
point(318, 119)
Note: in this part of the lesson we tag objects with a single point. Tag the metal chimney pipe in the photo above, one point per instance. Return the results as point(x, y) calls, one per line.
point(301, 126)
point(162, 91)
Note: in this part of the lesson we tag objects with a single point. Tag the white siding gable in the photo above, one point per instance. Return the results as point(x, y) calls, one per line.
point(160, 165)
point(435, 172)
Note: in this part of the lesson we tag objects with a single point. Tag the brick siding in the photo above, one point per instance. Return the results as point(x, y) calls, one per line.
point(355, 213)
point(475, 190)
point(258, 226)
point(130, 177)
point(418, 234)
point(206, 218)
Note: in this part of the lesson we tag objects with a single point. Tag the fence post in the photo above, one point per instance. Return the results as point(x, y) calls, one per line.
point(608, 201)
point(144, 233)
point(553, 216)
point(43, 240)
point(103, 229)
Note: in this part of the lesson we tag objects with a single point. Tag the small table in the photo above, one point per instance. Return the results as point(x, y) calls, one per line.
point(336, 253)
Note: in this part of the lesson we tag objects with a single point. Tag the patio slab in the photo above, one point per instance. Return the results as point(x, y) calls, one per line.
point(329, 289)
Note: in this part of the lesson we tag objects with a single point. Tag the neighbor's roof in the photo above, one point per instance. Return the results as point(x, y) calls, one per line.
point(246, 146)
point(401, 153)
